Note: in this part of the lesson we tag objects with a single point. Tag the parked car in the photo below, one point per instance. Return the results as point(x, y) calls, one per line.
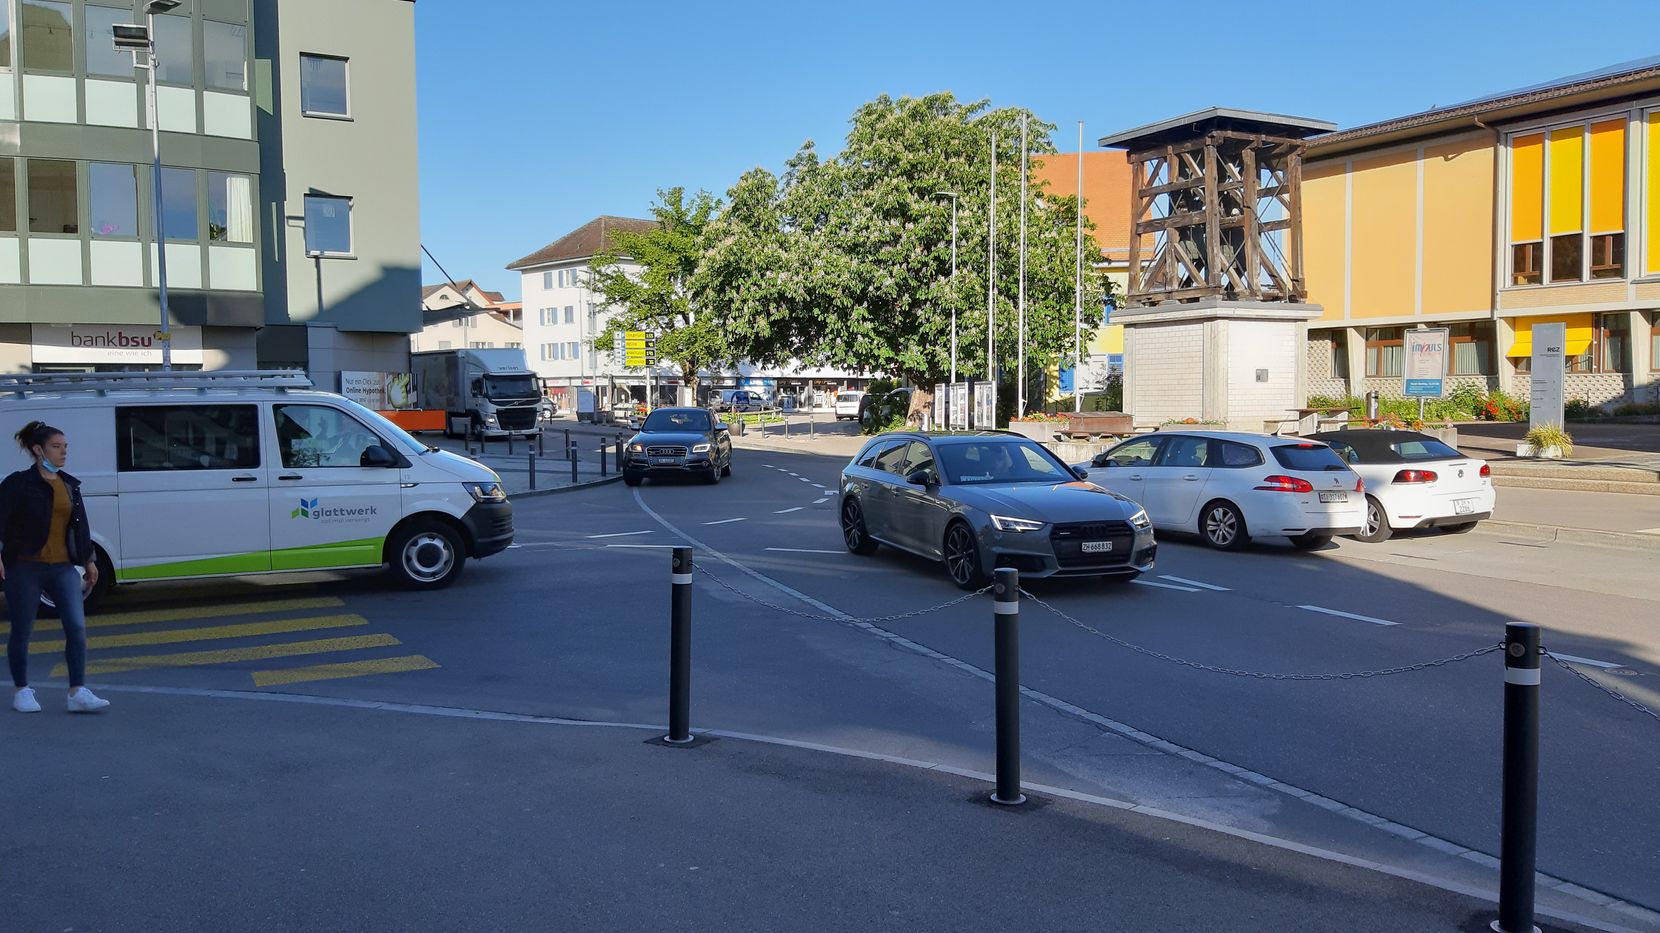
point(743, 400)
point(1414, 480)
point(1229, 487)
point(678, 442)
point(878, 410)
point(547, 409)
point(848, 405)
point(978, 502)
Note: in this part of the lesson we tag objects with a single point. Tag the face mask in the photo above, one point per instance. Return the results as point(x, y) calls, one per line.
point(49, 465)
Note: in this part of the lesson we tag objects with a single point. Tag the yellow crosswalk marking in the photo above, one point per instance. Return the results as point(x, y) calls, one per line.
point(175, 636)
point(197, 612)
point(231, 655)
point(347, 669)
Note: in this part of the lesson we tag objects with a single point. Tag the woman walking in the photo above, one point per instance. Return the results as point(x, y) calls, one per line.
point(45, 537)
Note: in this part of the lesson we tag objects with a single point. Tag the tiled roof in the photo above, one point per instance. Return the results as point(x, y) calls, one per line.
point(584, 241)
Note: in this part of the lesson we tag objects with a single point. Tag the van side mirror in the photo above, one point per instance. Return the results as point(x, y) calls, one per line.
point(379, 457)
point(1080, 472)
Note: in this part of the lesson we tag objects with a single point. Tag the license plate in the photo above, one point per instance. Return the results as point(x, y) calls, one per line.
point(1334, 497)
point(1464, 506)
point(665, 461)
point(1097, 547)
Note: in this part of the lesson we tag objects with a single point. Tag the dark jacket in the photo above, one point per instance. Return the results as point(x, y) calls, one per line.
point(26, 516)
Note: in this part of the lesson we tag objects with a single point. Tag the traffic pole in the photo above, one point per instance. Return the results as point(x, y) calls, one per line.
point(1519, 818)
point(531, 456)
point(602, 470)
point(680, 648)
point(571, 451)
point(1006, 606)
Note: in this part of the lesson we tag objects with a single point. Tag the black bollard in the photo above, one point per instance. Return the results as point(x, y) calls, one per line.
point(571, 452)
point(619, 454)
point(531, 456)
point(510, 443)
point(1519, 819)
point(680, 648)
point(1006, 606)
point(542, 442)
point(602, 470)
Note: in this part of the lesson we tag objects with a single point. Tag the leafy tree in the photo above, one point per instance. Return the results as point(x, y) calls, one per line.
point(658, 295)
point(847, 261)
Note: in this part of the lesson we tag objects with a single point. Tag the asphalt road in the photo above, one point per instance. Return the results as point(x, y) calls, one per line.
point(573, 622)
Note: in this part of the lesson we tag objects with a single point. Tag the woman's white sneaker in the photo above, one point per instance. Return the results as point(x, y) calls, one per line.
point(24, 701)
point(82, 700)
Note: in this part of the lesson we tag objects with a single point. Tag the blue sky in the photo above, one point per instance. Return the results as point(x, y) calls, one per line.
point(538, 115)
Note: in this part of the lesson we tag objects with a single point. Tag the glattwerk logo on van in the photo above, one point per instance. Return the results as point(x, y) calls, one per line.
point(309, 508)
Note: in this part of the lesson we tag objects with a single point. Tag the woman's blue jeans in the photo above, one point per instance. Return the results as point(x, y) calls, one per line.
point(25, 582)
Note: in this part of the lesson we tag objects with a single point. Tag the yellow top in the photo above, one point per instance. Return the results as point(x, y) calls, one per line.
point(56, 549)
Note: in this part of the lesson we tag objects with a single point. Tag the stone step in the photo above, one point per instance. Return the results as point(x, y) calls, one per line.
point(1577, 471)
point(1576, 485)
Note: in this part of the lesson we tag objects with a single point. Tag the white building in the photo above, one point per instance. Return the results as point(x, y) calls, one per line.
point(463, 314)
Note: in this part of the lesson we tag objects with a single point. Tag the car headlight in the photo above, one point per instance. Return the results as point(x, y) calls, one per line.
point(487, 492)
point(1008, 523)
point(490, 419)
point(636, 448)
point(700, 448)
point(1140, 519)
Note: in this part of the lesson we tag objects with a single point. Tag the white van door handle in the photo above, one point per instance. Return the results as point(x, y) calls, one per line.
point(1135, 476)
point(1192, 476)
point(243, 479)
point(290, 476)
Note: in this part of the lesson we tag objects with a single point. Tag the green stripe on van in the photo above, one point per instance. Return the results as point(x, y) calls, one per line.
point(360, 553)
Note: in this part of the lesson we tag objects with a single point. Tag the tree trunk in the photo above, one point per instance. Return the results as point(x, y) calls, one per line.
point(688, 376)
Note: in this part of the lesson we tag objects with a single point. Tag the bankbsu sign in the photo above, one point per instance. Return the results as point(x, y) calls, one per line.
point(111, 343)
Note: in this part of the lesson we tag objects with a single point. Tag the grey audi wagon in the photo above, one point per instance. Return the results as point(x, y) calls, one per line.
point(976, 502)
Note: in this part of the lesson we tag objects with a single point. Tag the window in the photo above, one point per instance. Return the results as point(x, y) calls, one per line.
point(1308, 458)
point(1235, 456)
point(892, 459)
point(114, 196)
point(570, 315)
point(573, 351)
point(5, 36)
point(1567, 203)
point(1614, 343)
point(481, 345)
point(225, 56)
point(178, 204)
point(175, 52)
point(1339, 350)
point(868, 458)
point(443, 344)
point(1139, 452)
point(1653, 351)
point(153, 438)
point(1384, 353)
point(457, 324)
point(547, 351)
point(561, 278)
point(328, 225)
point(230, 208)
point(8, 195)
point(1182, 451)
point(514, 345)
point(48, 37)
point(54, 200)
point(547, 280)
point(101, 55)
point(320, 436)
point(1472, 349)
point(324, 89)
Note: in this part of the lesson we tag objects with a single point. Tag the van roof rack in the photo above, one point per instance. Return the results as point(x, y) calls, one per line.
point(21, 384)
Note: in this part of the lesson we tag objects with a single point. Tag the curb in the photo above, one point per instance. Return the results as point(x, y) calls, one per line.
point(1625, 540)
point(586, 484)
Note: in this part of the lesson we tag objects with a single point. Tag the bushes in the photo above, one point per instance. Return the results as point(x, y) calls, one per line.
point(1466, 403)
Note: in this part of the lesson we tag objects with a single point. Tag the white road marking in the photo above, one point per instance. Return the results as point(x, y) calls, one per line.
point(724, 521)
point(808, 481)
point(1348, 615)
point(538, 544)
point(1186, 582)
point(788, 511)
point(804, 550)
point(789, 473)
point(1648, 531)
point(769, 466)
point(1164, 586)
point(1591, 662)
point(821, 501)
point(642, 547)
point(622, 534)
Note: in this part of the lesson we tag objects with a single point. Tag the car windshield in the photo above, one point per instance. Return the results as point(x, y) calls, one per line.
point(970, 463)
point(1309, 458)
point(386, 428)
point(506, 387)
point(666, 420)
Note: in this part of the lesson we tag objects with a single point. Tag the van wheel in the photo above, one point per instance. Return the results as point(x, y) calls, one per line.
point(101, 589)
point(426, 555)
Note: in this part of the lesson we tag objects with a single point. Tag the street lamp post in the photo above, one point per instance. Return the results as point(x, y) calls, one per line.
point(142, 39)
point(953, 196)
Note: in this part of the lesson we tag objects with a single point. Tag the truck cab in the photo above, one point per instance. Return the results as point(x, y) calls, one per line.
point(489, 393)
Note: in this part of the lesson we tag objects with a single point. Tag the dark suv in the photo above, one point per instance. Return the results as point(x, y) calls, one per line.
point(678, 442)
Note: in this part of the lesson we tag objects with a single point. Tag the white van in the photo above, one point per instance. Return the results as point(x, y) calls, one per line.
point(203, 474)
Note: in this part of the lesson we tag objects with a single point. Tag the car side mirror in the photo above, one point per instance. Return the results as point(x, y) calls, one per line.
point(721, 428)
point(923, 477)
point(379, 457)
point(1101, 460)
point(1080, 472)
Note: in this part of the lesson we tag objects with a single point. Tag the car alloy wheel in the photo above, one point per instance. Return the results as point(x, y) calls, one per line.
point(1223, 527)
point(1376, 527)
point(962, 557)
point(854, 534)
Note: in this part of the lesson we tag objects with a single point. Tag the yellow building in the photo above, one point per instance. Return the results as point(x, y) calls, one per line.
point(1536, 205)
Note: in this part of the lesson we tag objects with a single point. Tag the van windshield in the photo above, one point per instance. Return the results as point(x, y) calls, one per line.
point(501, 388)
point(386, 428)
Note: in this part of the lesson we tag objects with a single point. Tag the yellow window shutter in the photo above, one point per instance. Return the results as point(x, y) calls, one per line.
point(1527, 187)
point(1608, 176)
point(1567, 180)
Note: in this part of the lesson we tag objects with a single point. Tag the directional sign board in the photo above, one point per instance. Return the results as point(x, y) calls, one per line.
point(640, 348)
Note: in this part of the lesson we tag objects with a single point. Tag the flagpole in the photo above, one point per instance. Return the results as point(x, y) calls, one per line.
point(1020, 372)
point(991, 287)
point(1078, 288)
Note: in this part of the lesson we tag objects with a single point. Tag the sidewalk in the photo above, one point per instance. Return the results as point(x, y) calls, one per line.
point(553, 471)
point(302, 814)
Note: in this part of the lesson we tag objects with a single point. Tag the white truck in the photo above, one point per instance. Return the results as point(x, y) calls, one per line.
point(487, 392)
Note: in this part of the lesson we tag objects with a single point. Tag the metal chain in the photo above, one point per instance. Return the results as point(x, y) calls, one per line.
point(826, 618)
point(1601, 686)
point(1263, 675)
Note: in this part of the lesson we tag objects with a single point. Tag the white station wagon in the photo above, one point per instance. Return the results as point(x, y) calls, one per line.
point(1230, 487)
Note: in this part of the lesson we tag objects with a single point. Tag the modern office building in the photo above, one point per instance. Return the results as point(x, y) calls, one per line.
point(288, 200)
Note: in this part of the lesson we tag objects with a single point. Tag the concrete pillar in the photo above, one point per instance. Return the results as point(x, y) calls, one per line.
point(1300, 375)
point(1214, 372)
point(1126, 381)
point(1354, 344)
point(1504, 334)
